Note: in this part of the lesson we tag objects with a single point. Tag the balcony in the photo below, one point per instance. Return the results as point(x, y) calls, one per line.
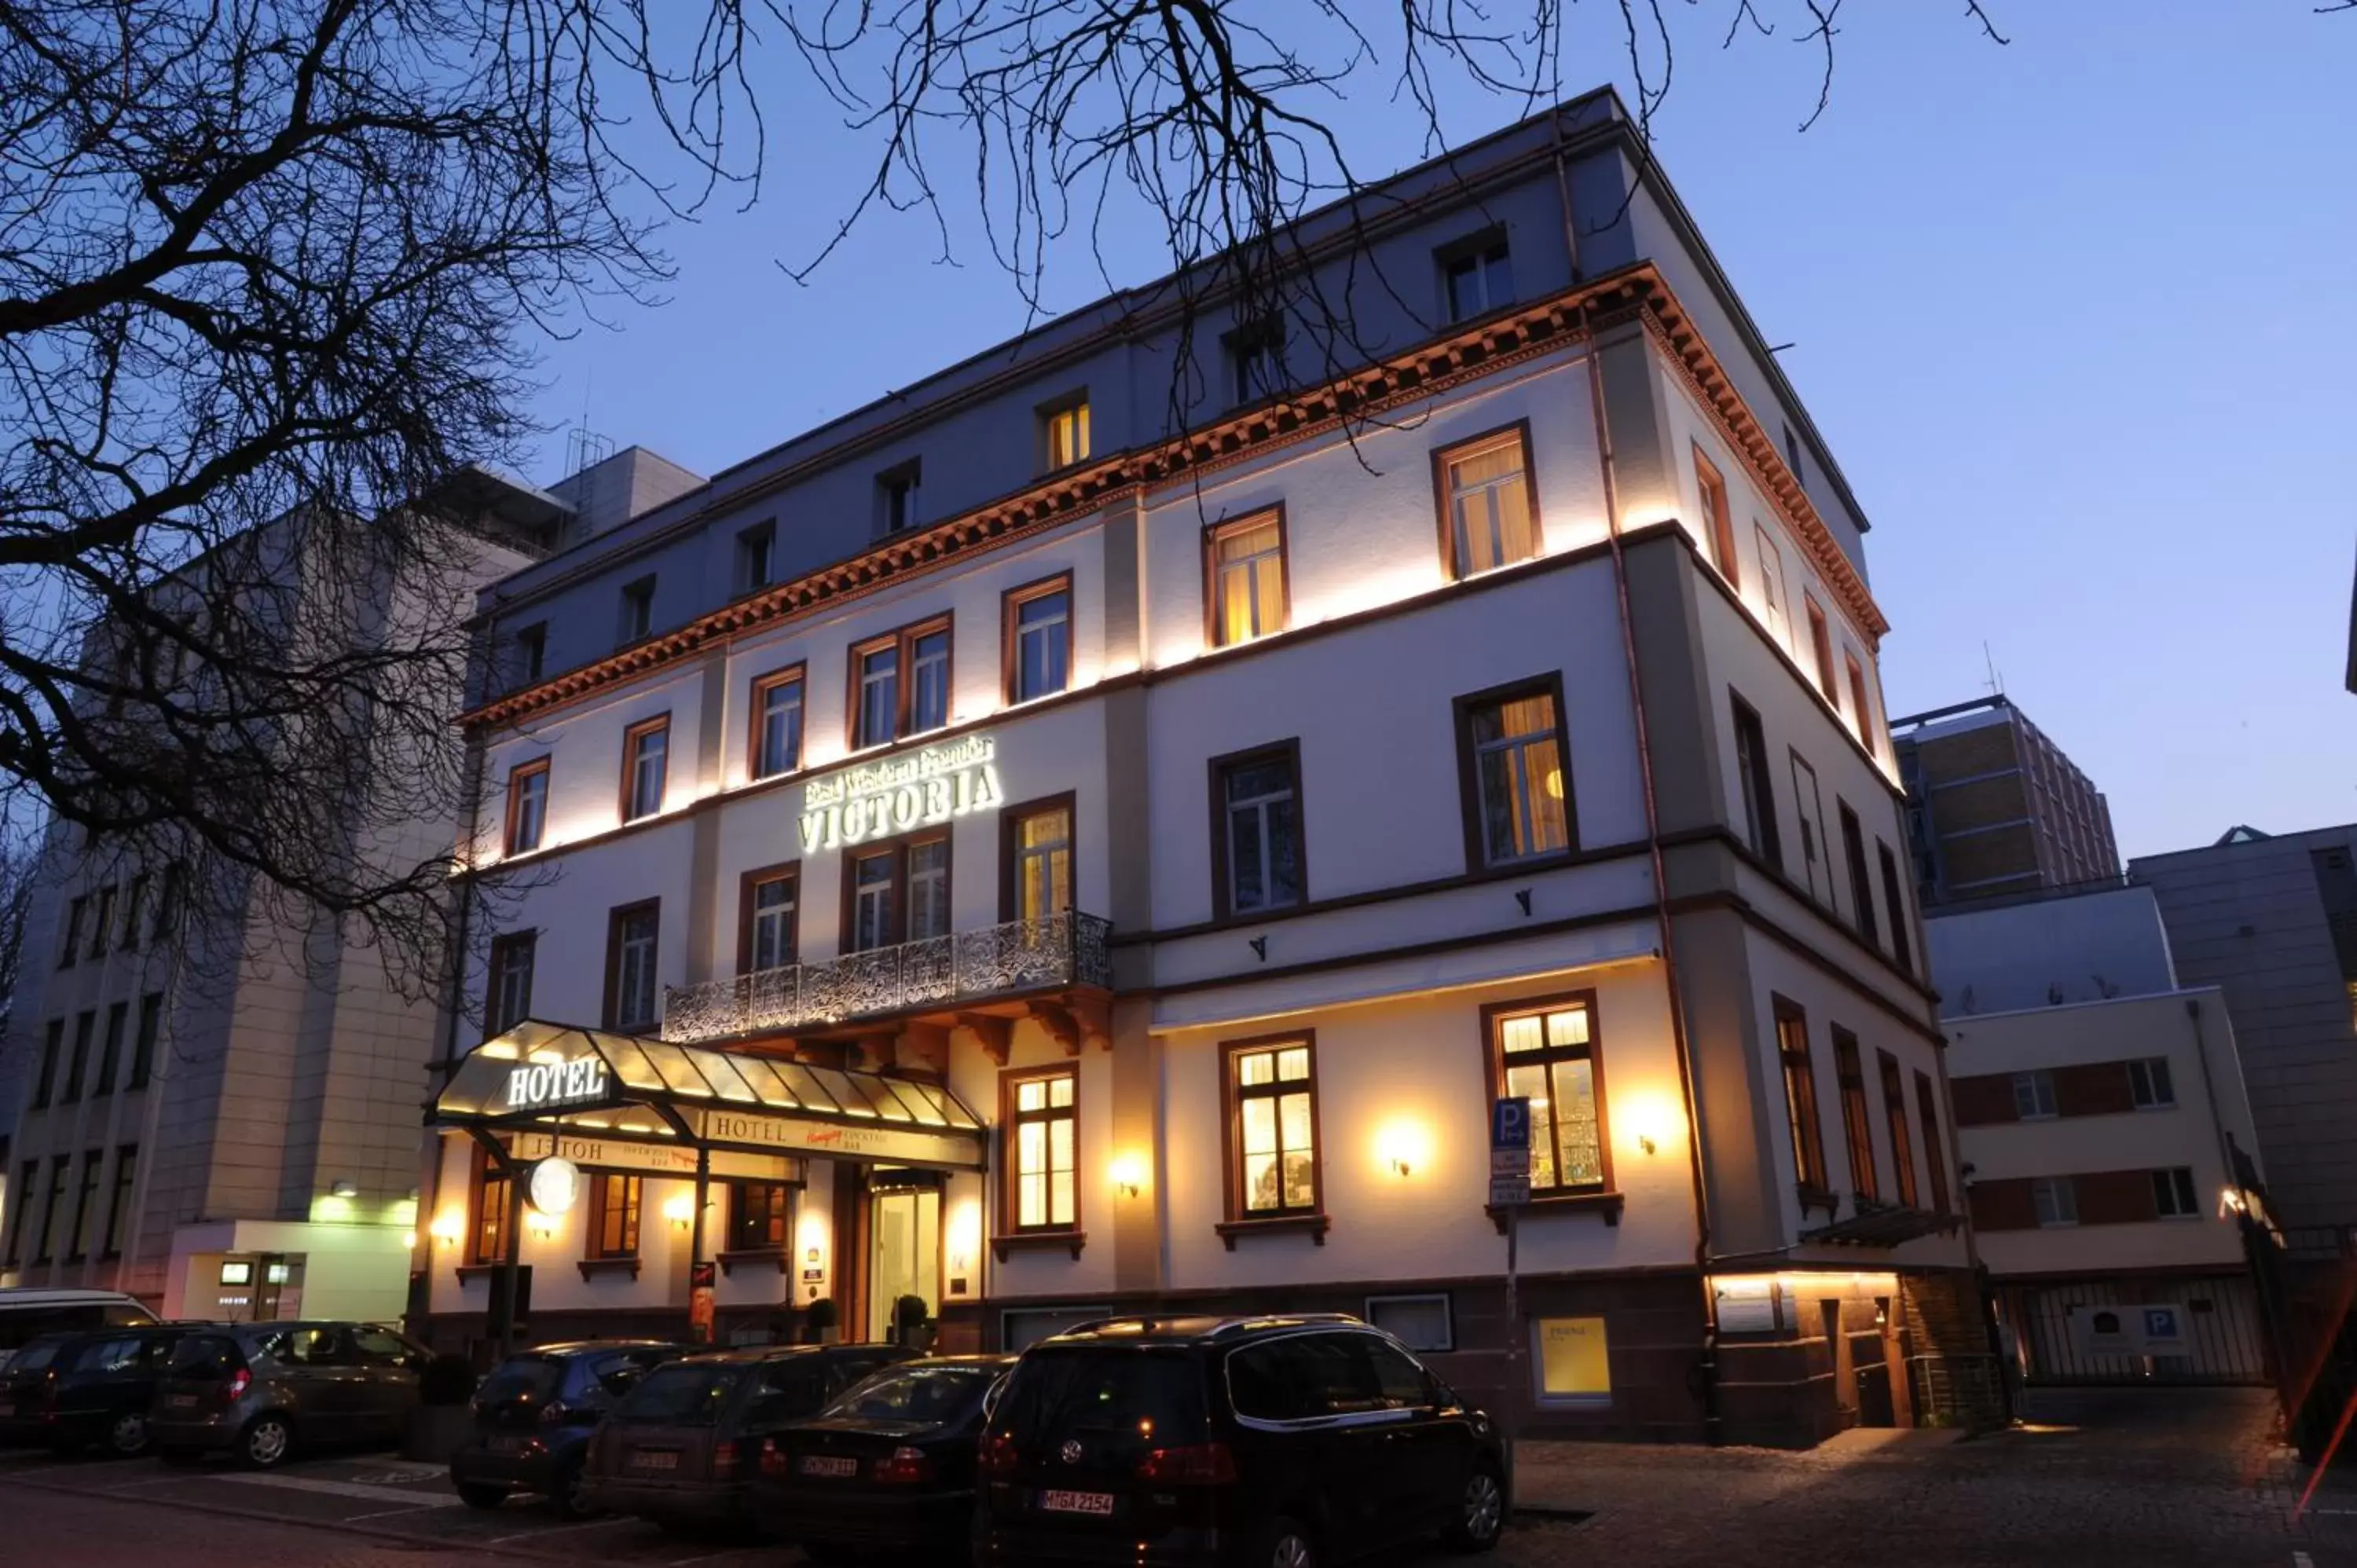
point(935, 975)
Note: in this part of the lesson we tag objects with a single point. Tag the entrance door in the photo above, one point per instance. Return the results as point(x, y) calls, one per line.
point(904, 1253)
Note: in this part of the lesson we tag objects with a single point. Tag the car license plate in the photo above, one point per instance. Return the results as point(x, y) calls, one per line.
point(826, 1465)
point(653, 1459)
point(507, 1443)
point(182, 1402)
point(1099, 1503)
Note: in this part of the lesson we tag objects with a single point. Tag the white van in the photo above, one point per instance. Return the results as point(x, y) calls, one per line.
point(30, 1310)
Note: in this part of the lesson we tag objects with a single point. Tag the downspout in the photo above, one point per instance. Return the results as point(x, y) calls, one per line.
point(2210, 1092)
point(1679, 1045)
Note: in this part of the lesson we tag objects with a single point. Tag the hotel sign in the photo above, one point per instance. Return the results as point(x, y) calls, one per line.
point(893, 1145)
point(544, 1086)
point(651, 1159)
point(895, 794)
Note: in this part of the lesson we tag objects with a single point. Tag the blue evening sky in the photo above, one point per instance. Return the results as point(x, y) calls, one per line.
point(2076, 316)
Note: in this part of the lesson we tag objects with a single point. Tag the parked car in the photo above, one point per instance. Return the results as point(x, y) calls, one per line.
point(27, 1312)
point(73, 1390)
point(678, 1447)
point(533, 1415)
point(1268, 1442)
point(262, 1390)
point(890, 1463)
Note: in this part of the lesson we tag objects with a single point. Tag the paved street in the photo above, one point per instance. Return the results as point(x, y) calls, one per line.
point(2184, 1479)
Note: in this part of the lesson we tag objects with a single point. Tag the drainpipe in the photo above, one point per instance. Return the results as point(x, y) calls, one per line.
point(2210, 1092)
point(1680, 1043)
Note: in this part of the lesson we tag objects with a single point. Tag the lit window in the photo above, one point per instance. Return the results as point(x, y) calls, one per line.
point(1800, 1096)
point(1821, 644)
point(614, 1215)
point(1718, 525)
point(1772, 579)
point(1042, 863)
point(1546, 1052)
point(1272, 1096)
point(1857, 1124)
point(1044, 1124)
point(1066, 430)
point(1516, 759)
point(494, 1202)
point(1247, 593)
point(1487, 494)
point(1861, 711)
point(761, 1216)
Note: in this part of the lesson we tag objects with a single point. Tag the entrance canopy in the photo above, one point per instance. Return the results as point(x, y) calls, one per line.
point(550, 1078)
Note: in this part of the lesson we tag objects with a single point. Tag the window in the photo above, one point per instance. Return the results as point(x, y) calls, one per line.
point(1758, 783)
point(1820, 644)
point(883, 706)
point(1857, 1125)
point(1771, 578)
point(509, 1000)
point(896, 497)
point(1039, 632)
point(777, 741)
point(1038, 856)
point(1546, 1051)
point(2172, 1194)
point(102, 926)
point(143, 1053)
point(20, 1205)
point(630, 941)
point(85, 1028)
point(646, 760)
point(75, 1247)
point(1810, 806)
point(2056, 1200)
point(1255, 360)
point(52, 1207)
point(769, 902)
point(1793, 458)
point(1573, 1359)
point(2033, 1095)
point(1257, 861)
point(1861, 889)
point(1935, 1159)
point(1512, 757)
point(1717, 524)
point(1271, 1094)
point(897, 893)
point(167, 903)
point(1894, 1118)
point(2149, 1084)
point(757, 556)
point(638, 611)
point(1064, 430)
point(52, 1046)
point(1861, 712)
point(1478, 275)
point(135, 912)
point(614, 1214)
point(76, 912)
point(527, 805)
point(1042, 1126)
point(1422, 1322)
point(1895, 904)
point(531, 657)
point(1246, 591)
point(110, 1056)
point(1800, 1096)
point(494, 1201)
point(1488, 515)
point(761, 1216)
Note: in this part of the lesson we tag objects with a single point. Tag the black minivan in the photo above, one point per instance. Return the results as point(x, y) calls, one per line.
point(71, 1391)
point(1261, 1441)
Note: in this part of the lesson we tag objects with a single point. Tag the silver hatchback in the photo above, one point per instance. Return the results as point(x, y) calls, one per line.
point(259, 1389)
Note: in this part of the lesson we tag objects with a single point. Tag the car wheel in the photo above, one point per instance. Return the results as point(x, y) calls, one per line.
point(476, 1495)
point(1283, 1544)
point(265, 1443)
point(127, 1438)
point(569, 1495)
point(1481, 1511)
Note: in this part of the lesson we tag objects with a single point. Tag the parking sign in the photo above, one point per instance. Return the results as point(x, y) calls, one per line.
point(1509, 1123)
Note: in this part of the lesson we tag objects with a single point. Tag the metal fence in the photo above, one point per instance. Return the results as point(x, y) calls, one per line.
point(2226, 1336)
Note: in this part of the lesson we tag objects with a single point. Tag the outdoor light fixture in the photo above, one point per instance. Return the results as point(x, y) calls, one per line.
point(1402, 1147)
point(1128, 1173)
point(409, 1240)
point(449, 1228)
point(1645, 1141)
point(539, 1222)
point(680, 1210)
point(345, 1186)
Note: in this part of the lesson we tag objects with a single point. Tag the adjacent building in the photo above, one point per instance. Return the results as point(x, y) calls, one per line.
point(1995, 808)
point(999, 849)
point(2108, 1149)
point(2271, 921)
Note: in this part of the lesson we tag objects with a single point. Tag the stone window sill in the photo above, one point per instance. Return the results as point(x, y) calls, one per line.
point(1037, 1241)
point(1314, 1225)
point(1608, 1204)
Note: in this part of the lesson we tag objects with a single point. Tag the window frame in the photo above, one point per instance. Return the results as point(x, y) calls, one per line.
point(1251, 343)
point(636, 620)
point(1232, 1151)
point(616, 919)
point(1469, 775)
point(53, 1050)
point(520, 778)
point(898, 848)
point(748, 886)
point(1861, 877)
point(902, 641)
point(20, 1208)
point(1010, 652)
point(1517, 432)
point(1073, 406)
point(120, 1196)
point(1494, 1016)
point(903, 482)
point(482, 1226)
point(1214, 625)
point(92, 1160)
point(85, 1031)
point(2142, 1091)
point(135, 904)
point(736, 1233)
point(1783, 1010)
point(1858, 1121)
point(756, 716)
point(55, 1192)
point(110, 1050)
point(1935, 1158)
point(634, 740)
point(532, 642)
point(2044, 1106)
point(1223, 869)
point(2164, 1179)
point(1894, 899)
point(1862, 715)
point(1755, 782)
point(1821, 647)
point(1771, 581)
point(1718, 506)
point(1010, 844)
point(1894, 1119)
point(757, 545)
point(76, 913)
point(101, 924)
point(1482, 247)
point(1010, 1203)
point(2054, 1186)
point(143, 1045)
point(495, 972)
point(601, 1201)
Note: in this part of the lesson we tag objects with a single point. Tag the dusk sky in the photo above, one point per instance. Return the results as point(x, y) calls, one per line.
point(2075, 314)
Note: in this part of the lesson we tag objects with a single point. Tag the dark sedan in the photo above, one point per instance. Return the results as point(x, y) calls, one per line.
point(534, 1414)
point(890, 1464)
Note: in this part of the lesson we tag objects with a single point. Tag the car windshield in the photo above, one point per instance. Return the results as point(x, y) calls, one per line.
point(521, 1379)
point(939, 1395)
point(681, 1395)
point(1155, 1394)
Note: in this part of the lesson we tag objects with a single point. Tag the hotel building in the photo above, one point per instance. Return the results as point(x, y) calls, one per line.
point(997, 850)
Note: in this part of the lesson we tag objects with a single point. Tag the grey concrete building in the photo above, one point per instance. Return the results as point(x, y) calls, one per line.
point(1995, 808)
point(2272, 921)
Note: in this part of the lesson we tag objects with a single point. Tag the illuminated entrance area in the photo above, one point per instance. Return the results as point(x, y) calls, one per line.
point(904, 1245)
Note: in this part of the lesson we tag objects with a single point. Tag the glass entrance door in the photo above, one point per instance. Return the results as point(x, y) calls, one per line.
point(904, 1253)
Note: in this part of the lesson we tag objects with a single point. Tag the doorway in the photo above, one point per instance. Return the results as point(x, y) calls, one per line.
point(1844, 1369)
point(904, 1245)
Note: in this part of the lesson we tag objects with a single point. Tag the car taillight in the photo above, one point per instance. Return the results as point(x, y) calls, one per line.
point(554, 1411)
point(773, 1458)
point(1196, 1465)
point(724, 1458)
point(997, 1456)
point(907, 1467)
point(234, 1389)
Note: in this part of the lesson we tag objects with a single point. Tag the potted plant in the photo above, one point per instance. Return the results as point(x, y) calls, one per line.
point(442, 1419)
point(819, 1321)
point(913, 1321)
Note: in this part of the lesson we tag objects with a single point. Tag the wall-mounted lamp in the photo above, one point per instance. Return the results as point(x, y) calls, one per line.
point(1645, 1141)
point(345, 1186)
point(1402, 1147)
point(541, 1223)
point(1128, 1173)
point(449, 1228)
point(680, 1210)
point(409, 1240)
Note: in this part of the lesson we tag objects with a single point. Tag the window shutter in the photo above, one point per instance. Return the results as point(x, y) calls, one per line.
point(1982, 1100)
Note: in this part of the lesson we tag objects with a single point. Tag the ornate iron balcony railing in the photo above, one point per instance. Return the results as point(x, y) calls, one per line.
point(1069, 948)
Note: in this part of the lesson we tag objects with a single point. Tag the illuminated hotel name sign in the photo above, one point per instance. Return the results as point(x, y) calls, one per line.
point(536, 1086)
point(876, 800)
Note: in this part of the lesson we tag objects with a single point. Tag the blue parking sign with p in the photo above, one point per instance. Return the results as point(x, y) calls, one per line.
point(1509, 1123)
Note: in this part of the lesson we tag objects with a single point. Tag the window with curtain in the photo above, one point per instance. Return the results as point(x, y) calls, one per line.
point(614, 1199)
point(777, 724)
point(646, 762)
point(1260, 837)
point(1246, 593)
point(1042, 1122)
point(1517, 764)
point(1272, 1100)
point(770, 936)
point(1040, 641)
point(1490, 522)
point(1042, 862)
point(1546, 1052)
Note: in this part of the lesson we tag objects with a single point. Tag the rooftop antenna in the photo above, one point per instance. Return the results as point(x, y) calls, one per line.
point(584, 447)
point(1995, 681)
